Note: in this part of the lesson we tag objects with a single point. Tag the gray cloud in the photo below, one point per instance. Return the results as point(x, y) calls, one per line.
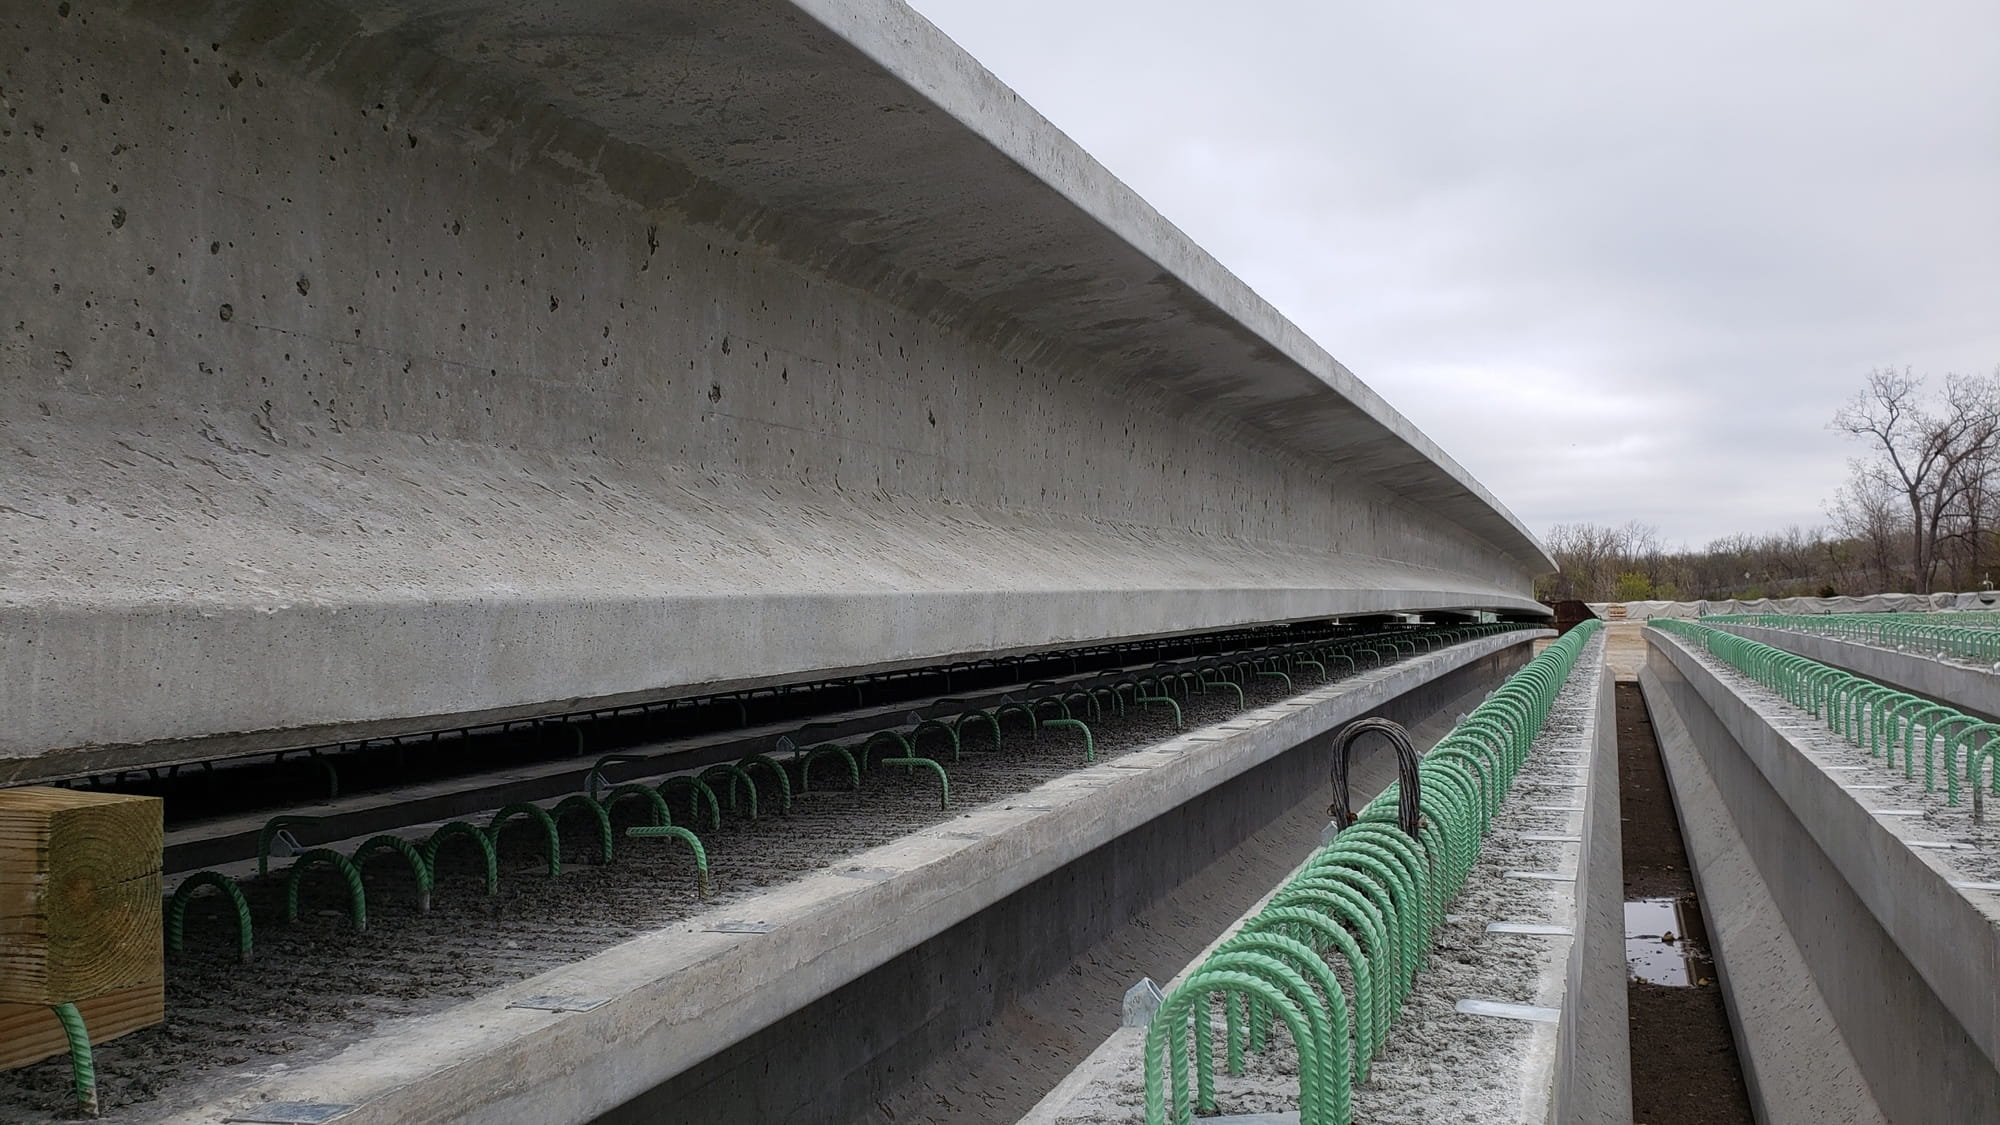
point(1621, 262)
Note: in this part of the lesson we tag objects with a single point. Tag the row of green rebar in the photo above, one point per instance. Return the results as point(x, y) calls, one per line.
point(1864, 712)
point(1372, 897)
point(1970, 635)
point(1043, 706)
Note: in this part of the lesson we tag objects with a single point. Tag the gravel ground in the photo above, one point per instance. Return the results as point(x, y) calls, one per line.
point(1977, 856)
point(316, 986)
point(1440, 1066)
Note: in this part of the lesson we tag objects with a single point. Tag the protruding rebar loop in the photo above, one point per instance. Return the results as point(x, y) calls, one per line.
point(599, 819)
point(698, 791)
point(646, 795)
point(595, 779)
point(402, 847)
point(487, 851)
point(1178, 724)
point(993, 724)
point(694, 845)
point(928, 725)
point(1011, 707)
point(551, 839)
point(1089, 743)
point(828, 750)
point(269, 832)
point(177, 908)
point(1409, 785)
point(777, 771)
point(944, 781)
point(899, 746)
point(1857, 709)
point(741, 788)
point(1372, 896)
point(82, 1065)
point(357, 897)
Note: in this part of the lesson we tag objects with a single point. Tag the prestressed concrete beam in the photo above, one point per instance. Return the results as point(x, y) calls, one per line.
point(1975, 691)
point(1902, 959)
point(676, 996)
point(371, 364)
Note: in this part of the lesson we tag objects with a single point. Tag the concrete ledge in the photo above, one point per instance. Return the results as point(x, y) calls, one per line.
point(1973, 690)
point(678, 995)
point(1575, 1071)
point(1796, 1064)
point(1904, 960)
point(1593, 1069)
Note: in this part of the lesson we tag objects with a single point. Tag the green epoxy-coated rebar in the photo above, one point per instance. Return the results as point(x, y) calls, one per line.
point(829, 750)
point(1372, 896)
point(741, 788)
point(777, 773)
point(1089, 744)
point(177, 907)
point(1178, 724)
point(458, 829)
point(408, 851)
point(357, 898)
point(645, 794)
point(1863, 712)
point(698, 791)
point(1001, 712)
point(82, 1065)
point(593, 780)
point(992, 724)
point(944, 781)
point(694, 844)
point(898, 745)
point(551, 838)
point(269, 832)
point(597, 815)
point(933, 725)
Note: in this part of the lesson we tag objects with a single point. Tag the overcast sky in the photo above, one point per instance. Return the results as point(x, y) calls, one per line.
point(1622, 261)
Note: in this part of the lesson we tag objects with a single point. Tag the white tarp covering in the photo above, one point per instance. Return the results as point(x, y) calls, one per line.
point(1871, 603)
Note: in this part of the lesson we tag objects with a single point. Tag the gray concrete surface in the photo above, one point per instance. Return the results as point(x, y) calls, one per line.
point(378, 364)
point(1973, 690)
point(1797, 1067)
point(1903, 961)
point(676, 996)
point(1592, 1082)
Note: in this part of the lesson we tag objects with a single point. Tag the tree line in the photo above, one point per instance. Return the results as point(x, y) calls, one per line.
point(1918, 512)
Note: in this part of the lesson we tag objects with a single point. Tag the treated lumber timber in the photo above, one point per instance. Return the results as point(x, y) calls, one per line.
point(80, 893)
point(30, 1033)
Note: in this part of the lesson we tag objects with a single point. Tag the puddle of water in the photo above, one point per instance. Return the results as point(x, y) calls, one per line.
point(1657, 948)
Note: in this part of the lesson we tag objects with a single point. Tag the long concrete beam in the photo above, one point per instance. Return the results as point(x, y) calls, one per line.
point(377, 365)
point(1858, 961)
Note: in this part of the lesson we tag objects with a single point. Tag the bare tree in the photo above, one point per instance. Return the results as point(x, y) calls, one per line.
point(1872, 532)
point(1925, 457)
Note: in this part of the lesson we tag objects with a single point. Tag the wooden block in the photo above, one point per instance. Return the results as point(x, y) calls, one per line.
point(29, 1033)
point(80, 912)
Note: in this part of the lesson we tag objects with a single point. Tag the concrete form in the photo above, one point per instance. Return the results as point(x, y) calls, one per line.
point(1857, 969)
point(1971, 689)
point(373, 365)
